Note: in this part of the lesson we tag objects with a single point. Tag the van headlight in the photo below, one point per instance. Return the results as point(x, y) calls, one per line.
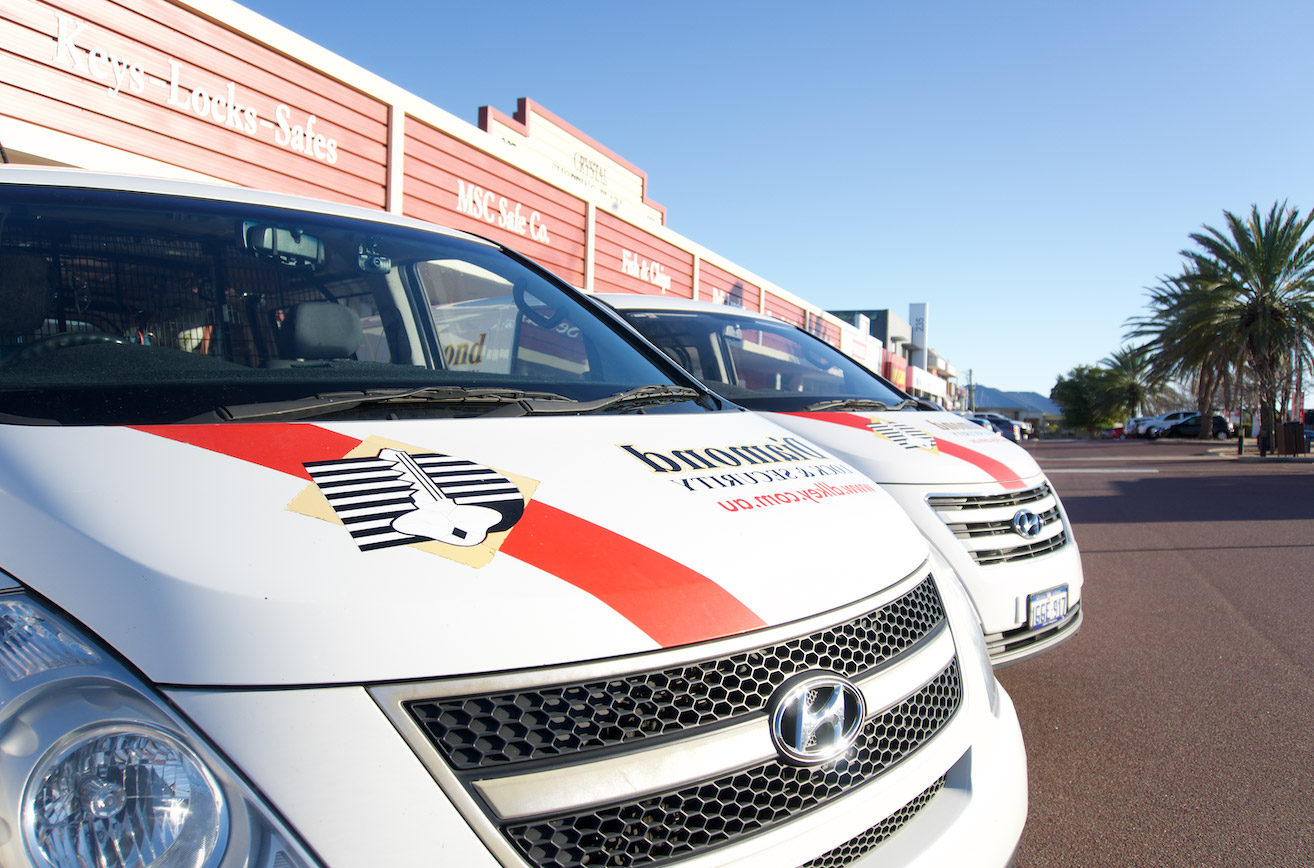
point(97, 770)
point(123, 795)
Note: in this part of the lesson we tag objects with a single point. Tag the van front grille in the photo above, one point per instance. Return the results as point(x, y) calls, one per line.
point(663, 763)
point(491, 730)
point(984, 524)
point(690, 820)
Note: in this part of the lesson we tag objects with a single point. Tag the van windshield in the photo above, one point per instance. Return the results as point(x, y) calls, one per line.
point(763, 364)
point(126, 308)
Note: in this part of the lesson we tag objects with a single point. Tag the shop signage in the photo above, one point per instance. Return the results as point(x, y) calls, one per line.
point(925, 381)
point(649, 272)
point(613, 183)
point(590, 168)
point(78, 49)
point(500, 212)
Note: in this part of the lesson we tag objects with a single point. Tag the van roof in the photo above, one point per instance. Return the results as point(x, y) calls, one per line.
point(42, 176)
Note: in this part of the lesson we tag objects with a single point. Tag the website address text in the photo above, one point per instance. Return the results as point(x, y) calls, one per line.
point(805, 495)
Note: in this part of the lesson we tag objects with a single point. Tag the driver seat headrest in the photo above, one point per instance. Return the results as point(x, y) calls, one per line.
point(318, 330)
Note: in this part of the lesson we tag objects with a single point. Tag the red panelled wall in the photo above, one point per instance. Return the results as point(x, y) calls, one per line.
point(450, 182)
point(787, 311)
point(717, 284)
point(824, 329)
point(627, 259)
point(158, 81)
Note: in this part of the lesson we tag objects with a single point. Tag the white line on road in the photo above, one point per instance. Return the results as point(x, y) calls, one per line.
point(1054, 470)
point(1126, 458)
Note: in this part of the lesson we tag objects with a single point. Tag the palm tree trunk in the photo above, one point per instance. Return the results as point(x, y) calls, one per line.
point(1206, 385)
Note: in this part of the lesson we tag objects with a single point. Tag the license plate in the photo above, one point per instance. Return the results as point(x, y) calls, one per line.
point(1047, 607)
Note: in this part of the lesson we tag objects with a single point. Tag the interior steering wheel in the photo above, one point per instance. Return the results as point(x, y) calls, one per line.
point(59, 341)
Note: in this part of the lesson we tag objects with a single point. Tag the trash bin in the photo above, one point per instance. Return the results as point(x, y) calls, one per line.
point(1291, 439)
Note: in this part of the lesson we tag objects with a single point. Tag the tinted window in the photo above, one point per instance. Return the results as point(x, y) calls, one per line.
point(759, 363)
point(133, 308)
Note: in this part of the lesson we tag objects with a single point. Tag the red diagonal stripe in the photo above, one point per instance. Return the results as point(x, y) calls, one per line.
point(671, 603)
point(662, 597)
point(998, 470)
point(848, 419)
point(279, 446)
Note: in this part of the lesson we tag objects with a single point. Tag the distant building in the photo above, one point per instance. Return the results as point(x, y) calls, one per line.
point(1031, 407)
point(910, 362)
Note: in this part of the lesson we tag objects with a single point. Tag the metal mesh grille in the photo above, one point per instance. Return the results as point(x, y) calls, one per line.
point(860, 845)
point(693, 819)
point(495, 729)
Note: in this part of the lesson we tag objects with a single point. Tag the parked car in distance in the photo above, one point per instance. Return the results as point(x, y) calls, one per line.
point(1154, 427)
point(977, 420)
point(1010, 430)
point(1013, 429)
point(1006, 431)
point(1190, 427)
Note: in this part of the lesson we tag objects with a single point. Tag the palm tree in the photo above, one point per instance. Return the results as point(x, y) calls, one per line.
point(1246, 293)
point(1266, 266)
point(1134, 381)
point(1184, 341)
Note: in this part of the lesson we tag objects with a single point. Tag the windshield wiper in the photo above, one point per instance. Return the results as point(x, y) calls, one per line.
point(335, 402)
point(643, 396)
point(630, 399)
point(859, 404)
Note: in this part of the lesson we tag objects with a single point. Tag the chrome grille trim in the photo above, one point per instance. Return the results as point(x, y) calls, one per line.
point(997, 528)
point(1008, 499)
point(991, 557)
point(983, 523)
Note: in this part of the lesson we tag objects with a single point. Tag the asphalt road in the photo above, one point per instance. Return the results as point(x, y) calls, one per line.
point(1177, 729)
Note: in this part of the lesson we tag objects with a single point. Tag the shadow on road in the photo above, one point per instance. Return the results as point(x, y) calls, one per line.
point(1194, 499)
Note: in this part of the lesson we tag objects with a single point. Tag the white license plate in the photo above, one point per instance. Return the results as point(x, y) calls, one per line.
point(1047, 607)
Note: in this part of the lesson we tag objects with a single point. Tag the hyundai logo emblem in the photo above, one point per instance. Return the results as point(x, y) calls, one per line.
point(816, 717)
point(1026, 523)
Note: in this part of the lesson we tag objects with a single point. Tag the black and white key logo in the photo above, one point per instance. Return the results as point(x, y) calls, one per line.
point(398, 498)
point(902, 435)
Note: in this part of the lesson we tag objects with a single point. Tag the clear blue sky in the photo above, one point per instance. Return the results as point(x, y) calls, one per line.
point(1025, 168)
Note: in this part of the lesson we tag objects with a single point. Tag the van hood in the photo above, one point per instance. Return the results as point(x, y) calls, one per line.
point(924, 448)
point(276, 554)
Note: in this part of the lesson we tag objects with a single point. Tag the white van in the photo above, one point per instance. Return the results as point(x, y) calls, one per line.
point(981, 500)
point(335, 539)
